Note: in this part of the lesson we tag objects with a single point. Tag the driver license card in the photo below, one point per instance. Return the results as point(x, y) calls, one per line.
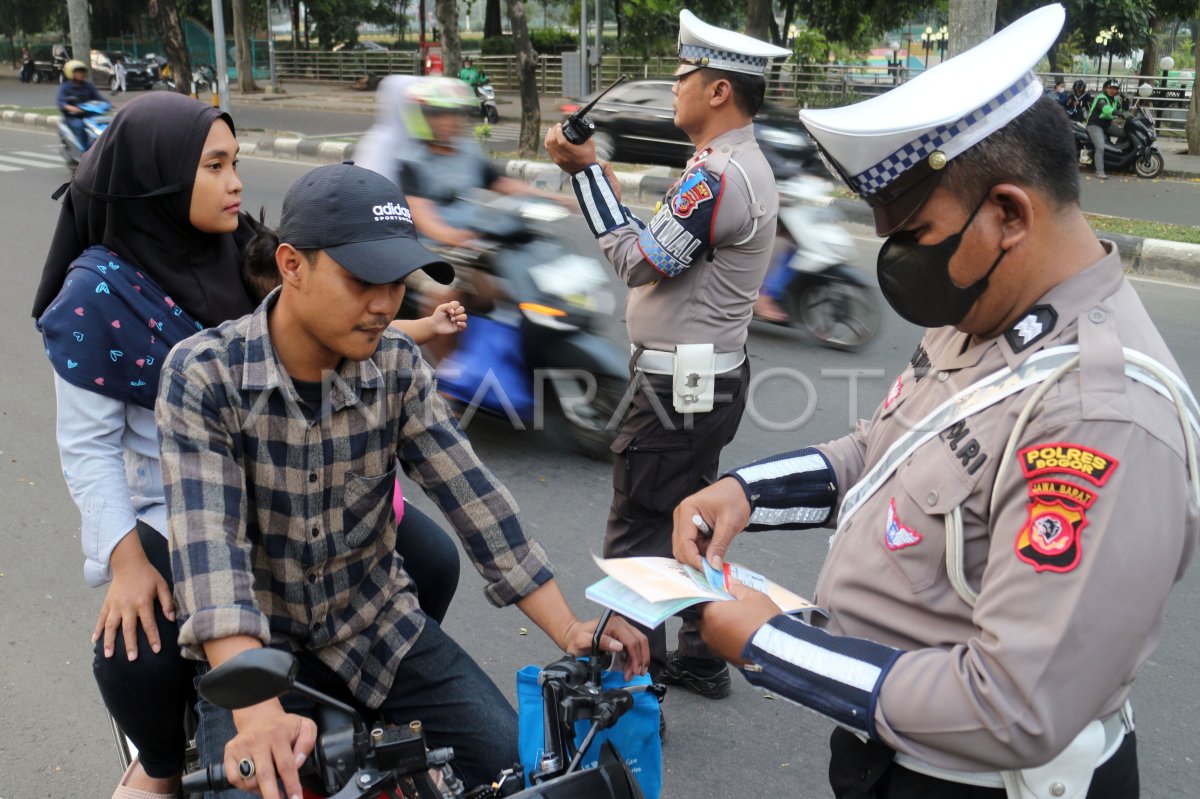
point(721, 579)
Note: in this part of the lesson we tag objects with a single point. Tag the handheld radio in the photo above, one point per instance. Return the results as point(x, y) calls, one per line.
point(577, 128)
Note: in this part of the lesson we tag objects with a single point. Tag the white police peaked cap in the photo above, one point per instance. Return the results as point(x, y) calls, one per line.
point(891, 149)
point(703, 45)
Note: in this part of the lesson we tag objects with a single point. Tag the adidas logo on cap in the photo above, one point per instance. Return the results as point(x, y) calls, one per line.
point(392, 212)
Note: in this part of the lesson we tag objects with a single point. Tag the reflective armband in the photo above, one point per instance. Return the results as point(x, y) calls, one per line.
point(794, 491)
point(836, 676)
point(603, 212)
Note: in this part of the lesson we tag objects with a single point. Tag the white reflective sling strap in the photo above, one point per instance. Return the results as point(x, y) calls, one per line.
point(971, 400)
point(1139, 367)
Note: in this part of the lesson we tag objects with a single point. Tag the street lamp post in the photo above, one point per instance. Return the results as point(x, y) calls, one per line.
point(1105, 39)
point(926, 43)
point(894, 63)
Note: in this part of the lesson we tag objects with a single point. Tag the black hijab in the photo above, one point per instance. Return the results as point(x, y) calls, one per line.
point(132, 194)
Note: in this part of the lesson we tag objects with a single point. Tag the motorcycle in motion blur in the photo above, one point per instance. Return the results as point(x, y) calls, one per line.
point(96, 119)
point(532, 342)
point(1134, 149)
point(809, 282)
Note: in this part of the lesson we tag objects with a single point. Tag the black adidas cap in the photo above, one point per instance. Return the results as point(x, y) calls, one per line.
point(362, 220)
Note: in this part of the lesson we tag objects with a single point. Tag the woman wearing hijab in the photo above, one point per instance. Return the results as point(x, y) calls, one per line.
point(146, 253)
point(148, 250)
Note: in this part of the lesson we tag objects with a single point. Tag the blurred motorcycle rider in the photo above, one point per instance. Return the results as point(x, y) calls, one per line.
point(421, 142)
point(73, 93)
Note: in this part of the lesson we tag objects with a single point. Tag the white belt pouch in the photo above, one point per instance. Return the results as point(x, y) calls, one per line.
point(694, 378)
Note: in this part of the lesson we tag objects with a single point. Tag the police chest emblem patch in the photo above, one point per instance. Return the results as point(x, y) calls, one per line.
point(1051, 539)
point(894, 394)
point(897, 535)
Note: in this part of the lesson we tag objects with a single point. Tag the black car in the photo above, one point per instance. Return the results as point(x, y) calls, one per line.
point(139, 74)
point(635, 124)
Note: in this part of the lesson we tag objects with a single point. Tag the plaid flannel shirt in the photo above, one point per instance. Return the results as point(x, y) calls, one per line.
point(281, 527)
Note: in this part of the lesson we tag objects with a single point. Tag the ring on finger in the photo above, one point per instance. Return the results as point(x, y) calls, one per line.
point(246, 768)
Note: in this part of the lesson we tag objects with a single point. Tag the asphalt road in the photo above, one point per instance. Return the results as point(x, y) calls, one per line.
point(54, 738)
point(1164, 200)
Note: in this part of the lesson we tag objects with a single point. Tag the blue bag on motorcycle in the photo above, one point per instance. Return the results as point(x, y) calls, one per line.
point(635, 735)
point(488, 368)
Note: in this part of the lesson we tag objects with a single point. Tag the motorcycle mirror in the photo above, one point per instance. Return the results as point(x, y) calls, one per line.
point(249, 678)
point(1145, 90)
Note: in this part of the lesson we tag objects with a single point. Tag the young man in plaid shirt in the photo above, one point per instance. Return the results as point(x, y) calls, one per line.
point(280, 437)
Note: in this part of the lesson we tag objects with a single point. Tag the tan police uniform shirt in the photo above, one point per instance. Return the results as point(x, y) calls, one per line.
point(715, 231)
point(1095, 521)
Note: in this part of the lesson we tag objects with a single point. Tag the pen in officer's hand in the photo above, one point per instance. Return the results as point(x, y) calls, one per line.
point(701, 525)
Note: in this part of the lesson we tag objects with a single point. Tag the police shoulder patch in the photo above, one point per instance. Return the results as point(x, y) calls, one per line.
point(682, 227)
point(1052, 537)
point(1063, 458)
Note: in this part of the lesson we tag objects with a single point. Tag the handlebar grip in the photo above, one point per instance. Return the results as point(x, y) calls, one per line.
point(210, 778)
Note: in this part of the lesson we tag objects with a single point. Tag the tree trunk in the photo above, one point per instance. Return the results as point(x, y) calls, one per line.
point(243, 55)
point(81, 31)
point(295, 24)
point(758, 19)
point(491, 20)
point(1052, 57)
point(168, 23)
point(447, 17)
point(971, 21)
point(619, 15)
point(531, 114)
point(1150, 54)
point(789, 16)
point(1192, 128)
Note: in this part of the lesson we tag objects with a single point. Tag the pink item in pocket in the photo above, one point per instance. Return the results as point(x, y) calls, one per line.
point(398, 503)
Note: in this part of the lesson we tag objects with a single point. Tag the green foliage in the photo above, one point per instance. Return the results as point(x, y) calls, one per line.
point(810, 47)
point(24, 16)
point(549, 41)
point(483, 133)
point(841, 21)
point(498, 45)
point(651, 27)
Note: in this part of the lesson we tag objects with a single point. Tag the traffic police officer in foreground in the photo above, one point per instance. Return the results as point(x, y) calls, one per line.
point(694, 272)
point(1011, 520)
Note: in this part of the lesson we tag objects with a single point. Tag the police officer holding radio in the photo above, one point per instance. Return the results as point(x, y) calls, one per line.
point(693, 273)
point(1010, 521)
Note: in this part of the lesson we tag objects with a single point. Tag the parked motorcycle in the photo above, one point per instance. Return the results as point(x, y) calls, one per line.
point(96, 120)
point(537, 339)
point(1135, 150)
point(809, 278)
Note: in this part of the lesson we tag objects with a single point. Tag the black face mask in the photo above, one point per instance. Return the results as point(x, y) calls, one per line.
point(915, 278)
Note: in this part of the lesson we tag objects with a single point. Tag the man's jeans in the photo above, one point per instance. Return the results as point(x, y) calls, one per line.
point(437, 683)
point(76, 126)
point(1099, 139)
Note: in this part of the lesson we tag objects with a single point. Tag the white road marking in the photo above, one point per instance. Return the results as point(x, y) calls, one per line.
point(7, 159)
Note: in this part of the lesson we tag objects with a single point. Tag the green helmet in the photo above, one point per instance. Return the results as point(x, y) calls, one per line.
point(429, 96)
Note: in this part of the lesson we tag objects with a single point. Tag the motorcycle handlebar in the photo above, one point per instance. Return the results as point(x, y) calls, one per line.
point(209, 778)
